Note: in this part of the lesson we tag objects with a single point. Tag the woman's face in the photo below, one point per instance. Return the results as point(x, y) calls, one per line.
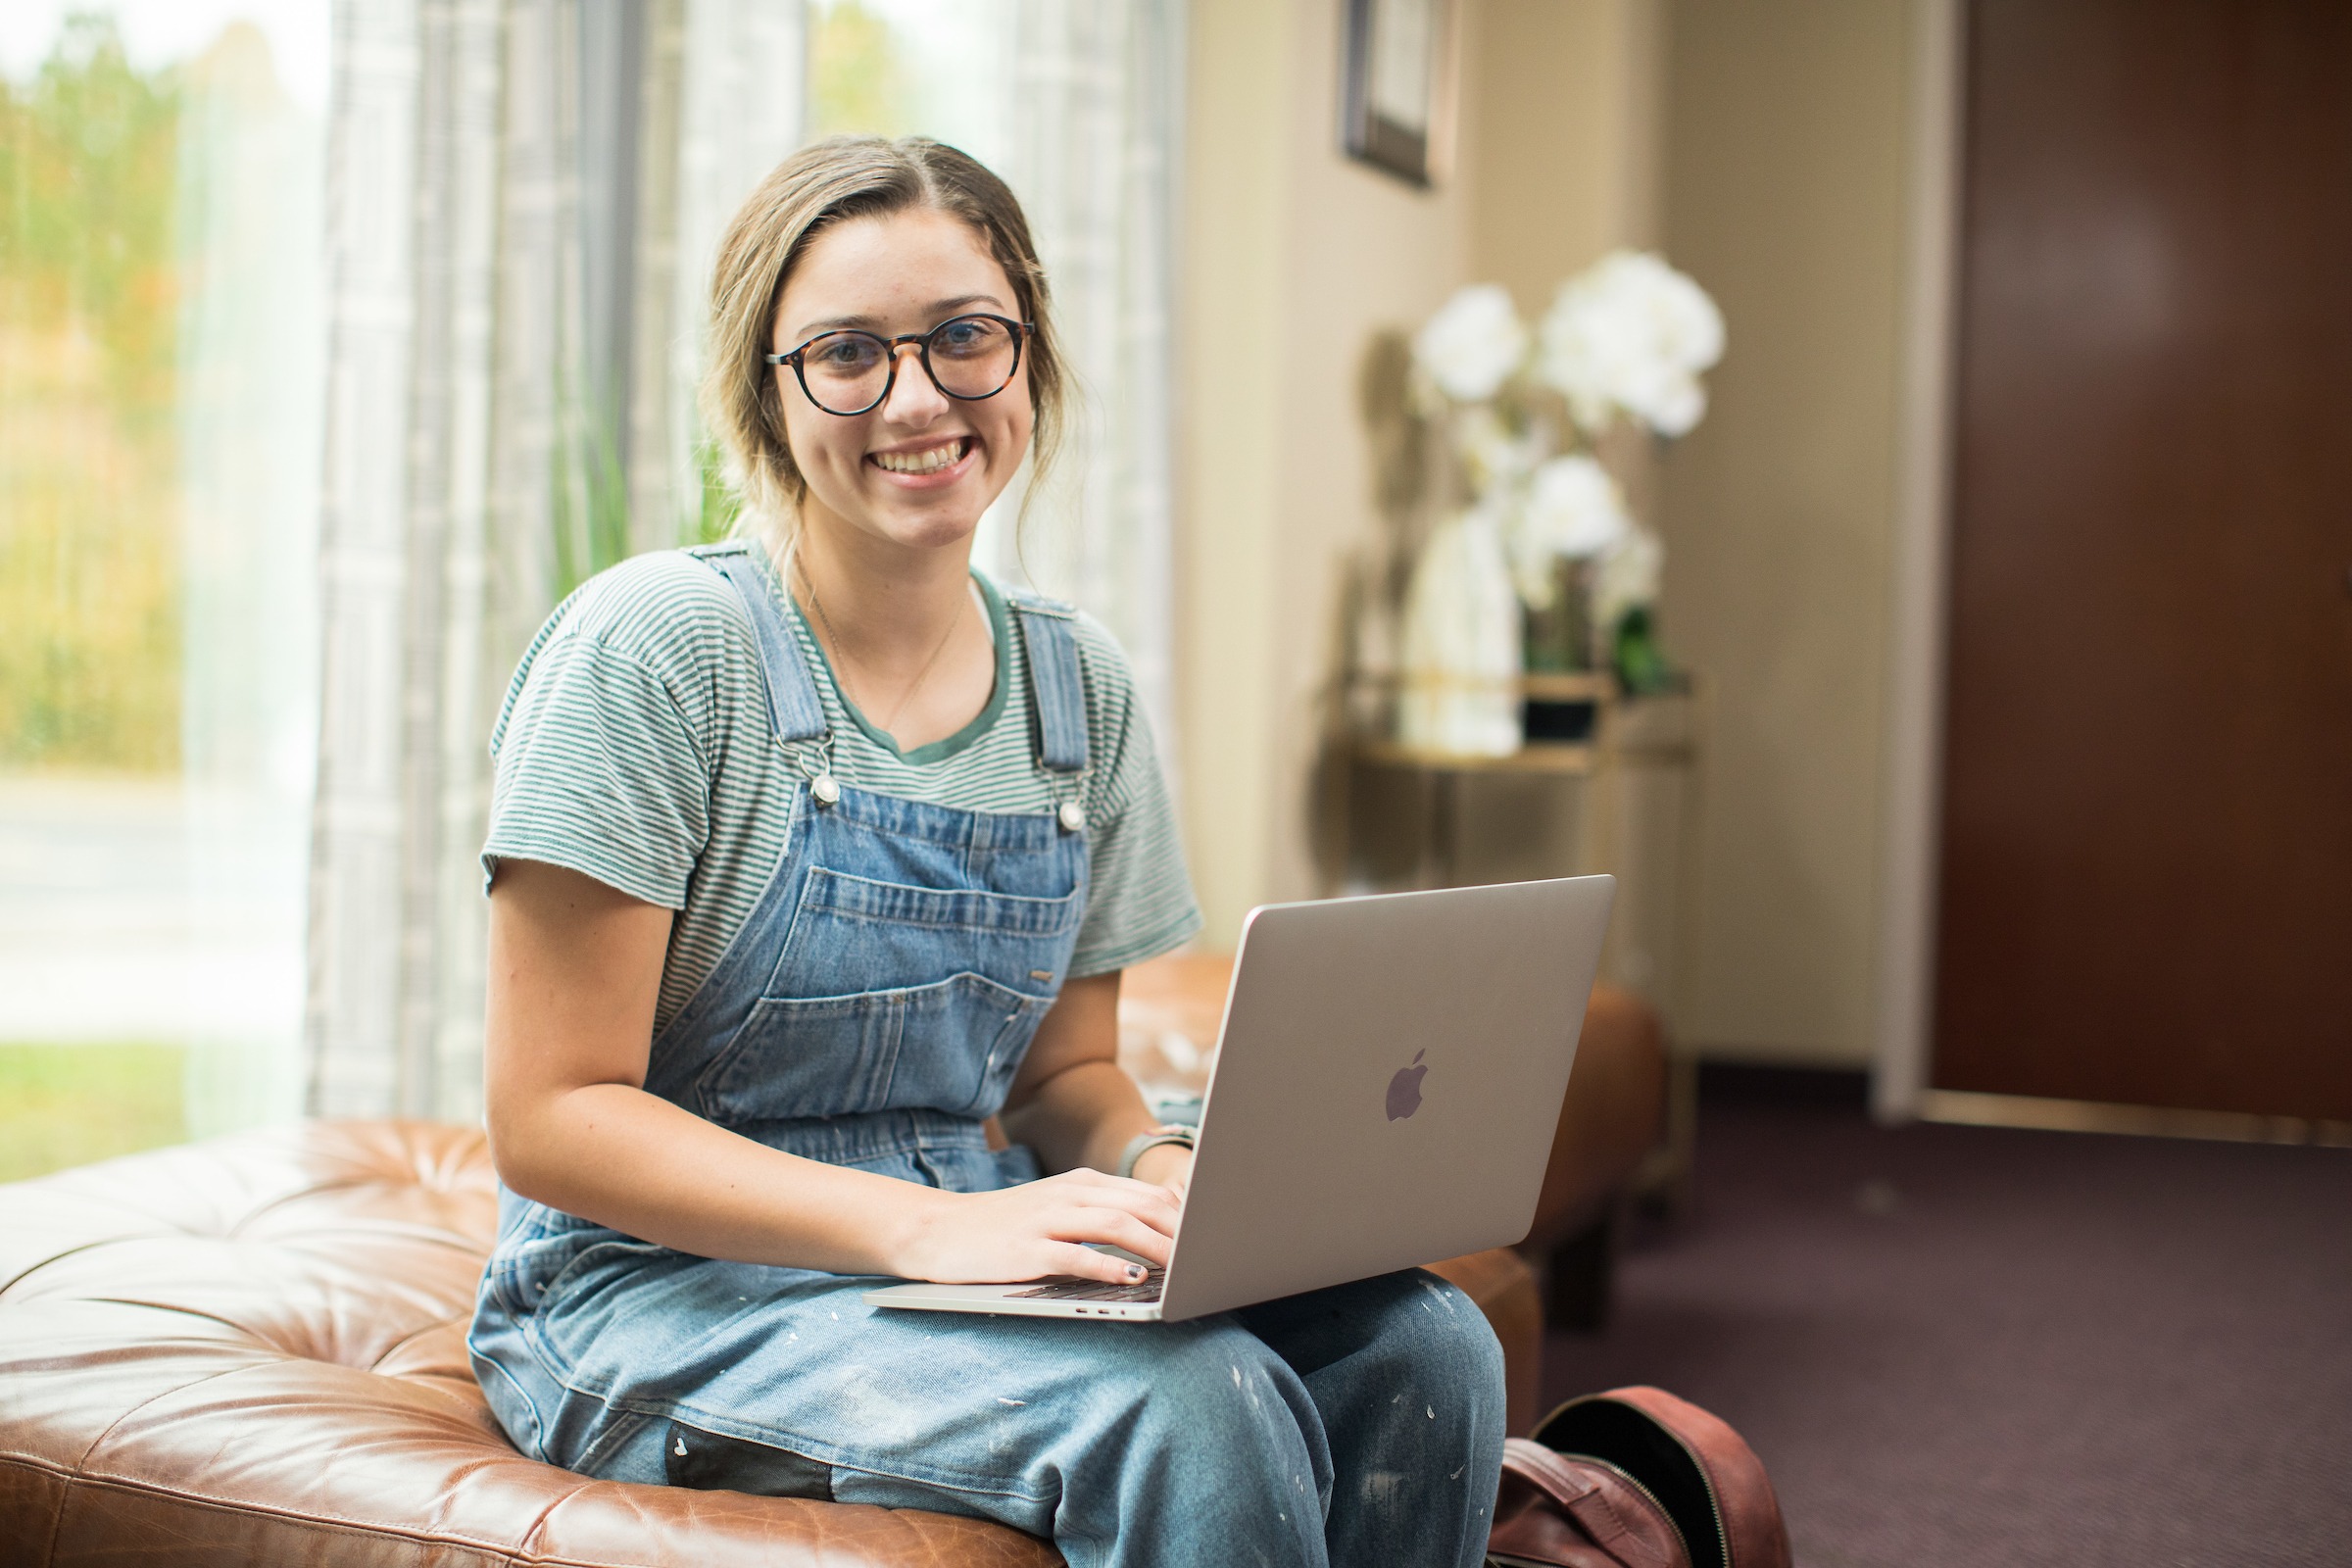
point(919, 470)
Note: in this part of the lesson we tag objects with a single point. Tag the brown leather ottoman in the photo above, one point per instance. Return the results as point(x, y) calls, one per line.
point(253, 1351)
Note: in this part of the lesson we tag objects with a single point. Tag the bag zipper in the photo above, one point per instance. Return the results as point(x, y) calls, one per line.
point(1635, 1481)
point(1723, 1530)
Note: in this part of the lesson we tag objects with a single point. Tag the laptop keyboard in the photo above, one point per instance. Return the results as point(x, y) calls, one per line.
point(1097, 1290)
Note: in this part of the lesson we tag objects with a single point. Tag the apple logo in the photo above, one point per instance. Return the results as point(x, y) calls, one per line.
point(1404, 1090)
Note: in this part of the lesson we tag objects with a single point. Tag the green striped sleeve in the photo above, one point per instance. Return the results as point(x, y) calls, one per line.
point(1140, 900)
point(601, 764)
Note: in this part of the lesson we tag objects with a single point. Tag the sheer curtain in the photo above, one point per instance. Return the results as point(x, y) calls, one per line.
point(522, 195)
point(523, 201)
point(413, 225)
point(1092, 115)
point(248, 353)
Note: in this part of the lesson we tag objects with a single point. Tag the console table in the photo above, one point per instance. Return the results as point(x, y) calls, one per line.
point(1622, 801)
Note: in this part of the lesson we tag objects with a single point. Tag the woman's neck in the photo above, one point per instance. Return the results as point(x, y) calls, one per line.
point(907, 645)
point(887, 604)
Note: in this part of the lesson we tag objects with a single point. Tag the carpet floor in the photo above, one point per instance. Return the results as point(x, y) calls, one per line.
point(1962, 1345)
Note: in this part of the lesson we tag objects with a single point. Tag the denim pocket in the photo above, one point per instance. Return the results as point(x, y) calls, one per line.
point(958, 910)
point(584, 1300)
point(535, 1246)
point(711, 1461)
point(852, 935)
point(952, 1046)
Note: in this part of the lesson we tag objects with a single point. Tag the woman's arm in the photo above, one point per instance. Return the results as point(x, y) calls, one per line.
point(1074, 1103)
point(574, 970)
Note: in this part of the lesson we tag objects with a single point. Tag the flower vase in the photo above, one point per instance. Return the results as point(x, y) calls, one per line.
point(1560, 634)
point(1460, 654)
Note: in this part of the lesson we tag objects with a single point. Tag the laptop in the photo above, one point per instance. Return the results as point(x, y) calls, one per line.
point(1388, 1082)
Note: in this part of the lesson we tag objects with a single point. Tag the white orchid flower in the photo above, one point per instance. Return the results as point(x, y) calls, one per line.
point(1573, 509)
point(1497, 460)
point(1473, 344)
point(1630, 333)
point(1674, 406)
point(1683, 323)
point(1628, 576)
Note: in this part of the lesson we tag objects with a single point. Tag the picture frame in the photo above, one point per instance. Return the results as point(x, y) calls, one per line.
point(1392, 101)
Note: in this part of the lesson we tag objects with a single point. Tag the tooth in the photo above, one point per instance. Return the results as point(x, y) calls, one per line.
point(929, 462)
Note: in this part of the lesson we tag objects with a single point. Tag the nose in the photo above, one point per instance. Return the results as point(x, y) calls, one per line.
point(913, 399)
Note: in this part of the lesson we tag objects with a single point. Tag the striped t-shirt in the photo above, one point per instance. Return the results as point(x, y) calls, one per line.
point(634, 747)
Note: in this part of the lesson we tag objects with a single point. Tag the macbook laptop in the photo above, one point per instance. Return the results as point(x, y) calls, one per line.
point(1388, 1082)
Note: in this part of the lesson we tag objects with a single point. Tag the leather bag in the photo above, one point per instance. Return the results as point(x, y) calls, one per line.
point(1634, 1477)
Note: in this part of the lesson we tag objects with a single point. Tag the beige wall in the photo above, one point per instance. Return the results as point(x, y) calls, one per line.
point(1784, 194)
point(1295, 259)
point(1563, 99)
point(1762, 146)
point(1230, 447)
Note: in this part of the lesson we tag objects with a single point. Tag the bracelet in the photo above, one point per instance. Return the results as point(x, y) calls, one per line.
point(1140, 1142)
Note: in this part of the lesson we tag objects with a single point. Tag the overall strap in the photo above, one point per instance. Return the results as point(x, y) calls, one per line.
point(1053, 681)
point(793, 706)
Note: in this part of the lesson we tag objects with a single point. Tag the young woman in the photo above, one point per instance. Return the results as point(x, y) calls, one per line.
point(811, 855)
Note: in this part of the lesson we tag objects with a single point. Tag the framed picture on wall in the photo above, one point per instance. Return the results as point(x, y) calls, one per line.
point(1395, 54)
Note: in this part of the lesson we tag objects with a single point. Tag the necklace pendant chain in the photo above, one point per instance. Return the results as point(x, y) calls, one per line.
point(841, 655)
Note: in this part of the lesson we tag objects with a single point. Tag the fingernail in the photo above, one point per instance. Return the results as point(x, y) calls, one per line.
point(1133, 1273)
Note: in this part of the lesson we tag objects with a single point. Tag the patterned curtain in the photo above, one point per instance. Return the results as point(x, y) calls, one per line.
point(523, 201)
point(521, 198)
point(1095, 113)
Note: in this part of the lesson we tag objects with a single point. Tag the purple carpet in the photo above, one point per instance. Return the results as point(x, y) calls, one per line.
point(1966, 1346)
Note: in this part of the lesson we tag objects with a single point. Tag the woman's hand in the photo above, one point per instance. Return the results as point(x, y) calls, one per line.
point(1041, 1228)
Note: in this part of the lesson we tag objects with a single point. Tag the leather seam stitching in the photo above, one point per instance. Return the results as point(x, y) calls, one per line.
point(81, 1466)
point(324, 1523)
point(423, 1233)
point(20, 1277)
point(410, 1338)
point(539, 1523)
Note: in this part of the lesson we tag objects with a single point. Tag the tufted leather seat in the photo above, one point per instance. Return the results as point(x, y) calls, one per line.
point(251, 1350)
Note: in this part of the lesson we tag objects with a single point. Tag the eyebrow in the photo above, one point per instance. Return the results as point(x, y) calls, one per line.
point(939, 310)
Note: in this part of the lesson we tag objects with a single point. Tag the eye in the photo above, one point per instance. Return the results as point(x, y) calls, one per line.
point(966, 336)
point(844, 351)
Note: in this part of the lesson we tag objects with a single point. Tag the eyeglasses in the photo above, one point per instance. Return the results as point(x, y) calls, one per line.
point(967, 358)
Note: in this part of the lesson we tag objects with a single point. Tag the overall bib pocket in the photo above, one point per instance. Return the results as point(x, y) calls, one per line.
point(887, 996)
point(952, 1046)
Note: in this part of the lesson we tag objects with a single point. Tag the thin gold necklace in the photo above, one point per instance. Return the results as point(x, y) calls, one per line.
point(840, 649)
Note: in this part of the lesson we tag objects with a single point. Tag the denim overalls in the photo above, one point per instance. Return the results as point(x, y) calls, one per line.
point(873, 1014)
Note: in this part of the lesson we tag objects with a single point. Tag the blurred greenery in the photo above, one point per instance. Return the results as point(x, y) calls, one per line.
point(588, 490)
point(720, 504)
point(89, 617)
point(89, 295)
point(855, 83)
point(66, 1105)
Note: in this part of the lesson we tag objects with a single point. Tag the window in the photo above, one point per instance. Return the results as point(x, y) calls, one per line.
point(163, 289)
point(159, 364)
point(899, 67)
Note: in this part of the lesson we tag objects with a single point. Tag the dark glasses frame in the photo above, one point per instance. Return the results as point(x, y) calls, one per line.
point(797, 359)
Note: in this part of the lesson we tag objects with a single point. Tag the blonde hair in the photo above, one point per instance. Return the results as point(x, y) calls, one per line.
point(845, 177)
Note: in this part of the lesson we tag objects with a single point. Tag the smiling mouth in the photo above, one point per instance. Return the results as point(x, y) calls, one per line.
point(930, 460)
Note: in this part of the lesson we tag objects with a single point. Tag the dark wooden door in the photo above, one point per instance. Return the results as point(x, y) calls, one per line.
point(2146, 868)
